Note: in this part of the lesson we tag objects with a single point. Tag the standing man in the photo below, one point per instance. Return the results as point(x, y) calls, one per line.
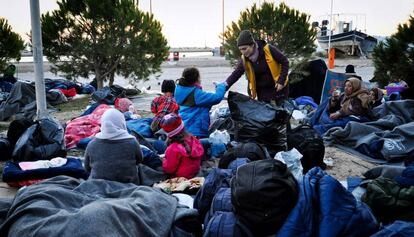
point(266, 69)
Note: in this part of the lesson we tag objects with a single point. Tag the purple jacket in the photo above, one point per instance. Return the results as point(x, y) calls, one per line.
point(265, 85)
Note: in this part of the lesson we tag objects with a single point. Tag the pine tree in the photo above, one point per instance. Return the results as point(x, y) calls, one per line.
point(394, 58)
point(104, 38)
point(286, 28)
point(10, 44)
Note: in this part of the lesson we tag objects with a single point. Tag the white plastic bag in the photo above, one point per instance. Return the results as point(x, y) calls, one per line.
point(292, 160)
point(219, 137)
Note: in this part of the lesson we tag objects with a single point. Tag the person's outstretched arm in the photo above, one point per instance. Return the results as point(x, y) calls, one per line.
point(203, 98)
point(236, 74)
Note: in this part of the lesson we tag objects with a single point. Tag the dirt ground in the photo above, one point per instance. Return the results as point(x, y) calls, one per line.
point(345, 164)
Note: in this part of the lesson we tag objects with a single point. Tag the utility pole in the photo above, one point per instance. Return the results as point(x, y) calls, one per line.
point(38, 60)
point(150, 6)
point(330, 28)
point(222, 9)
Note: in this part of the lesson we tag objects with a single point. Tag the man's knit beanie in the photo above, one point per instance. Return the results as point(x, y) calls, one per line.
point(245, 38)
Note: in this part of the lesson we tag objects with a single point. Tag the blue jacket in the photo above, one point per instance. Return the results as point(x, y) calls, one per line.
point(197, 118)
point(326, 208)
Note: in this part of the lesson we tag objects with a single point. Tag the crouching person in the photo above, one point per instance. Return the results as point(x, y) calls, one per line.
point(184, 151)
point(114, 153)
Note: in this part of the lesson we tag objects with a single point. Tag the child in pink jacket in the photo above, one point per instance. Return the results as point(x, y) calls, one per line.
point(184, 151)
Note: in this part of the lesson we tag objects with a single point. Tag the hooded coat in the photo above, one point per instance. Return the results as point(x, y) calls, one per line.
point(178, 163)
point(196, 115)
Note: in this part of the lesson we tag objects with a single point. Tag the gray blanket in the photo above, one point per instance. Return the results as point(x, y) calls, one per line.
point(64, 206)
point(390, 138)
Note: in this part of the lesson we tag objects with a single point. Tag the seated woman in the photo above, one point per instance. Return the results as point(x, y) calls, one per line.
point(195, 104)
point(375, 96)
point(184, 151)
point(354, 101)
point(114, 153)
point(336, 111)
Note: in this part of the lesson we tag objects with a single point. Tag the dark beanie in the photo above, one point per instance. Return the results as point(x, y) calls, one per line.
point(245, 38)
point(349, 69)
point(168, 86)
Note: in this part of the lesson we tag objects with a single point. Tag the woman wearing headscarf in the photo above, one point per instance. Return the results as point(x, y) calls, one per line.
point(114, 153)
point(354, 101)
point(376, 96)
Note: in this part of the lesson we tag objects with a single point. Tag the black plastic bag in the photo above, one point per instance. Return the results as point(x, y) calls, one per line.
point(5, 149)
point(43, 140)
point(259, 122)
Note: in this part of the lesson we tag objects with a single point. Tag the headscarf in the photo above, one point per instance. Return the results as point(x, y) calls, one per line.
point(113, 126)
point(378, 93)
point(357, 92)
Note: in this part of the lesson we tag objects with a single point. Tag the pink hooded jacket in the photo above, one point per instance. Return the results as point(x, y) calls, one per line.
point(178, 163)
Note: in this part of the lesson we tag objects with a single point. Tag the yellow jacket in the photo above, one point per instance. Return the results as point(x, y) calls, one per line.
point(274, 66)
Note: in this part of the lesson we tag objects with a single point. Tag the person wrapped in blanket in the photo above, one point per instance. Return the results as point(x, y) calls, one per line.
point(376, 97)
point(355, 100)
point(163, 104)
point(184, 152)
point(113, 154)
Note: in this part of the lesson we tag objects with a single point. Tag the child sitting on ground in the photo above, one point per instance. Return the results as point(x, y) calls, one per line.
point(114, 153)
point(164, 104)
point(184, 151)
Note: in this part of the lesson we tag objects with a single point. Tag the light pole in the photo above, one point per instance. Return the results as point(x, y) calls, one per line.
point(41, 110)
point(330, 28)
point(150, 6)
point(222, 12)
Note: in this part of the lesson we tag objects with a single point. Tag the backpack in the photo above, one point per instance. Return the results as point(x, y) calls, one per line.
point(226, 224)
point(310, 144)
point(250, 150)
point(216, 179)
point(221, 202)
point(263, 193)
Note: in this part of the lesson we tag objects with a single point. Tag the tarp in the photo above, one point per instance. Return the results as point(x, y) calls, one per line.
point(333, 81)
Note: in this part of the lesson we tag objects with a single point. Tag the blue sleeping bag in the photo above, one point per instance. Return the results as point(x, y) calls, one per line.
point(326, 208)
point(321, 121)
point(216, 179)
point(237, 163)
point(73, 168)
point(221, 202)
point(225, 224)
point(141, 126)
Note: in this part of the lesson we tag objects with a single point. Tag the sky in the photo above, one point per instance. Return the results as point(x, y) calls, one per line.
point(198, 23)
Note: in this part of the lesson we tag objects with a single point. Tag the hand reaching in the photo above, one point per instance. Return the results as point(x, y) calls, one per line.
point(279, 87)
